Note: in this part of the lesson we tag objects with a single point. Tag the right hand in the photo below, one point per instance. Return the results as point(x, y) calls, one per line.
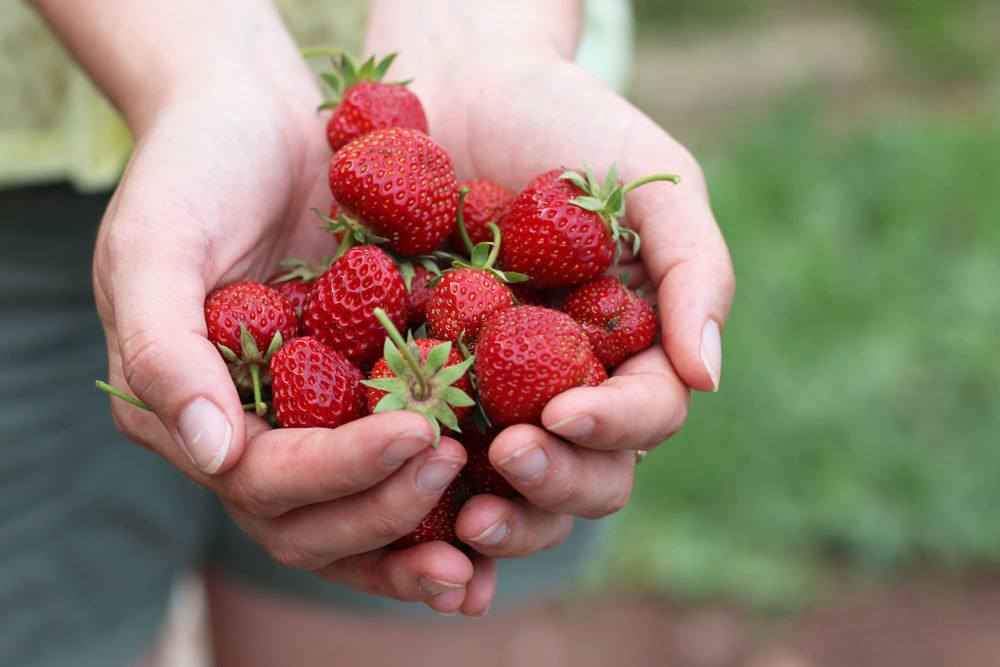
point(219, 189)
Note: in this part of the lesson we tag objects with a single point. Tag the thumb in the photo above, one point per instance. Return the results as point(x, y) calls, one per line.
point(168, 362)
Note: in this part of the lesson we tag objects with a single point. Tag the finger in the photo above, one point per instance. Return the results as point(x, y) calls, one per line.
point(283, 469)
point(603, 417)
point(481, 588)
point(159, 328)
point(689, 264)
point(312, 537)
point(560, 477)
point(419, 573)
point(504, 528)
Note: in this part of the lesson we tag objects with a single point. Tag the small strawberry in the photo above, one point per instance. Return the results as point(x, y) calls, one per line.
point(295, 280)
point(464, 297)
point(341, 304)
point(525, 356)
point(486, 202)
point(362, 102)
point(529, 296)
point(417, 279)
point(314, 386)
point(479, 474)
point(618, 321)
point(564, 229)
point(243, 319)
point(439, 523)
point(399, 186)
point(425, 376)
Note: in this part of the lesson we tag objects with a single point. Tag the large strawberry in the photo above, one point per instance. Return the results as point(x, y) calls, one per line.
point(479, 474)
point(618, 321)
point(439, 523)
point(464, 297)
point(400, 186)
point(563, 228)
point(314, 386)
point(524, 358)
point(340, 311)
point(425, 376)
point(361, 102)
point(486, 202)
point(248, 321)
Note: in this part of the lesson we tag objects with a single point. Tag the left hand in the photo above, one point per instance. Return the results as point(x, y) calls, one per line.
point(510, 118)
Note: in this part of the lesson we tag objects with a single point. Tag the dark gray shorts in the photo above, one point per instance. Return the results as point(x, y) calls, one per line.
point(93, 529)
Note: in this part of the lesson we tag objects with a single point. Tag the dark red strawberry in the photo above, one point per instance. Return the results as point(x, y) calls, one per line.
point(439, 524)
point(528, 296)
point(248, 321)
point(596, 375)
point(420, 292)
point(425, 376)
point(361, 102)
point(563, 229)
point(479, 474)
point(400, 186)
point(618, 321)
point(340, 311)
point(525, 357)
point(295, 280)
point(314, 386)
point(486, 202)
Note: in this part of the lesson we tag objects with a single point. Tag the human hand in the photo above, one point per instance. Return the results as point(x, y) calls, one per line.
point(509, 119)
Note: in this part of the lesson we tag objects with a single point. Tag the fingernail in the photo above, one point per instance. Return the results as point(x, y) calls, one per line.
point(527, 463)
point(485, 611)
point(436, 473)
point(711, 351)
point(401, 450)
point(433, 586)
point(493, 535)
point(453, 598)
point(205, 434)
point(575, 427)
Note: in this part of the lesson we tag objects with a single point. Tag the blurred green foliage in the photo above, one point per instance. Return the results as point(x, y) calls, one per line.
point(859, 420)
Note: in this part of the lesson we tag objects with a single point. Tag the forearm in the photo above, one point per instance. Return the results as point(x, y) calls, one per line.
point(145, 55)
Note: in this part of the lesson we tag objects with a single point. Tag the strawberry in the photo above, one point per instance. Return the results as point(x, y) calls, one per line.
point(479, 474)
point(295, 280)
point(425, 376)
point(564, 229)
point(464, 297)
point(618, 321)
point(529, 296)
point(341, 304)
point(439, 523)
point(419, 290)
point(314, 386)
point(486, 202)
point(243, 319)
point(596, 375)
point(361, 102)
point(399, 186)
point(525, 356)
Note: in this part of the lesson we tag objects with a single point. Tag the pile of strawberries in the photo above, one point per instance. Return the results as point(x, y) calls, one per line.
point(439, 297)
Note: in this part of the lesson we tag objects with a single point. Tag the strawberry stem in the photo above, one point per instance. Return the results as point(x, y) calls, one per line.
point(495, 250)
point(117, 393)
point(259, 406)
point(462, 231)
point(673, 178)
point(423, 390)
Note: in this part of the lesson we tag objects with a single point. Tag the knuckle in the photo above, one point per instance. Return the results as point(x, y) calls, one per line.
point(292, 554)
point(253, 497)
point(562, 492)
point(385, 524)
point(141, 353)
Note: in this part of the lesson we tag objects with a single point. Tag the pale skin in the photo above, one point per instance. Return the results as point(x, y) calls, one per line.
point(229, 159)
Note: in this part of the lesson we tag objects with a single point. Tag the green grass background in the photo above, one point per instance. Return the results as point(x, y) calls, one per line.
point(858, 428)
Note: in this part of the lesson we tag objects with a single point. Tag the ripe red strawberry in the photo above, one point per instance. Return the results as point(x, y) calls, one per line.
point(526, 356)
point(295, 281)
point(563, 229)
point(439, 524)
point(618, 321)
point(486, 202)
point(425, 376)
point(479, 474)
point(399, 185)
point(340, 311)
point(528, 296)
point(596, 375)
point(420, 293)
point(314, 386)
point(362, 102)
point(248, 321)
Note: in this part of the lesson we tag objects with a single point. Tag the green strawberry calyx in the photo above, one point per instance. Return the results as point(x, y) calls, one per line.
point(247, 371)
point(607, 198)
point(129, 398)
point(482, 256)
point(421, 387)
point(299, 269)
point(346, 72)
point(353, 232)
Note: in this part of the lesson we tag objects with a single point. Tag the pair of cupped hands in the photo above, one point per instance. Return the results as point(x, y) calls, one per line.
point(220, 188)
